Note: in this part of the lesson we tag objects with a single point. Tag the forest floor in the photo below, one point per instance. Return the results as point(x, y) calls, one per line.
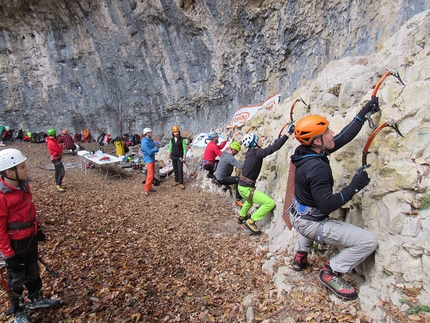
point(175, 256)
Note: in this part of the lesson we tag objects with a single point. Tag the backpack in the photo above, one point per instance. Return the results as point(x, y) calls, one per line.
point(18, 134)
point(7, 135)
point(136, 139)
point(38, 137)
point(87, 135)
point(77, 138)
point(100, 138)
point(106, 139)
point(119, 147)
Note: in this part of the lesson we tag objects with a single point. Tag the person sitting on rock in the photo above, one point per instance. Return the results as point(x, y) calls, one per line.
point(67, 141)
point(225, 168)
point(212, 151)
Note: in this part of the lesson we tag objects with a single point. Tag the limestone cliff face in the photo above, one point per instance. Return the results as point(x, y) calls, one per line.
point(72, 63)
point(395, 205)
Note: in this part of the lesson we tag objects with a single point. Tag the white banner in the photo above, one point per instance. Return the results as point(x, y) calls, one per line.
point(245, 113)
point(242, 115)
point(272, 101)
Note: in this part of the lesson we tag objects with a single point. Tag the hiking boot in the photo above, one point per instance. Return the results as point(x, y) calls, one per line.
point(251, 226)
point(182, 186)
point(153, 190)
point(42, 302)
point(146, 193)
point(226, 188)
point(175, 184)
point(60, 188)
point(21, 317)
point(336, 284)
point(239, 203)
point(300, 260)
point(241, 219)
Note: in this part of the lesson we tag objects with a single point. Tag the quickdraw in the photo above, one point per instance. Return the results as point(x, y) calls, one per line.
point(299, 99)
point(389, 122)
point(391, 71)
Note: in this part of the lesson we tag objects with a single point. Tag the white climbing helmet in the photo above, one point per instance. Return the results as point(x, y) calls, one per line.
point(249, 141)
point(146, 130)
point(10, 158)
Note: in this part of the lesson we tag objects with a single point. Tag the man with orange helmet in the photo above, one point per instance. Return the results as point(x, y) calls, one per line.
point(315, 200)
point(178, 155)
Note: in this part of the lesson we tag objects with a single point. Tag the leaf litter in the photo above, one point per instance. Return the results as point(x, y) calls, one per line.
point(175, 256)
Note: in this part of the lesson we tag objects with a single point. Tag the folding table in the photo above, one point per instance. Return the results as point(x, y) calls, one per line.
point(106, 162)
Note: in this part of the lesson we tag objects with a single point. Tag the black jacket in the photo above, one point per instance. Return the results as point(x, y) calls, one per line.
point(314, 178)
point(254, 160)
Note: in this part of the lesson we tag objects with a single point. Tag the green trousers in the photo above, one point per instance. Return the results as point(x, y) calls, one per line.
point(266, 203)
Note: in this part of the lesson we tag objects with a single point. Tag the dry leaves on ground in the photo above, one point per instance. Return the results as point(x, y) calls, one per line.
point(175, 256)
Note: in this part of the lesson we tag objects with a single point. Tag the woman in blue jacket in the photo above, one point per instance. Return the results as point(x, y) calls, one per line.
point(149, 149)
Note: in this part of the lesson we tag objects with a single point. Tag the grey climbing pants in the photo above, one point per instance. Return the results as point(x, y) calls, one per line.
point(357, 243)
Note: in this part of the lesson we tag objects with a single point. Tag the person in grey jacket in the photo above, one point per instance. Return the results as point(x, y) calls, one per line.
point(225, 168)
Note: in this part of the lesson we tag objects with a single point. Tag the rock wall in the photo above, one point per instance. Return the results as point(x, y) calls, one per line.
point(395, 205)
point(70, 64)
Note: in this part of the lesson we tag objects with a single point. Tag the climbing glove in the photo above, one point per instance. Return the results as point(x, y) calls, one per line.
point(360, 180)
point(290, 129)
point(370, 108)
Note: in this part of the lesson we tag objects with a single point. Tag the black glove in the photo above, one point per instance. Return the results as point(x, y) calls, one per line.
point(370, 108)
point(290, 129)
point(360, 180)
point(40, 236)
point(14, 264)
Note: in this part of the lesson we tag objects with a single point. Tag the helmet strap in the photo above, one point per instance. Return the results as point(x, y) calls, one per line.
point(322, 147)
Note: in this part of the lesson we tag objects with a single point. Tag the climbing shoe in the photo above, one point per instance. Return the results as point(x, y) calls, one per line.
point(251, 226)
point(61, 188)
point(21, 317)
point(300, 261)
point(42, 302)
point(241, 219)
point(336, 284)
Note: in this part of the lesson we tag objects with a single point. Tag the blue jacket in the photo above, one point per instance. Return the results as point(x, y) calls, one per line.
point(148, 150)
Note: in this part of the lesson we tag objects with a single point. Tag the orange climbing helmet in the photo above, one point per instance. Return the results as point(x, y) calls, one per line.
point(309, 128)
point(175, 129)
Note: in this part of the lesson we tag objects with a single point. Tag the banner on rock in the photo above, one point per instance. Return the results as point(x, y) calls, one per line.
point(245, 113)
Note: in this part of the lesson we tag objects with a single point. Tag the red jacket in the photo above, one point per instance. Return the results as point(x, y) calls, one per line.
point(213, 150)
point(55, 149)
point(16, 206)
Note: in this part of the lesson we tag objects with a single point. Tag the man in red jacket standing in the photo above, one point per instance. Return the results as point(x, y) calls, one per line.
point(56, 153)
point(19, 236)
point(212, 151)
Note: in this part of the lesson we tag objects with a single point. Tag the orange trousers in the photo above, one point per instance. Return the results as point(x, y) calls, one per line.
point(150, 170)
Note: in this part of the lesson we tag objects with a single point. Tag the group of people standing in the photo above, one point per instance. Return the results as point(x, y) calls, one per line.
point(177, 155)
point(314, 197)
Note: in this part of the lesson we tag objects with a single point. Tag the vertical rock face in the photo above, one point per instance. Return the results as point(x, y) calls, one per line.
point(395, 205)
point(70, 63)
